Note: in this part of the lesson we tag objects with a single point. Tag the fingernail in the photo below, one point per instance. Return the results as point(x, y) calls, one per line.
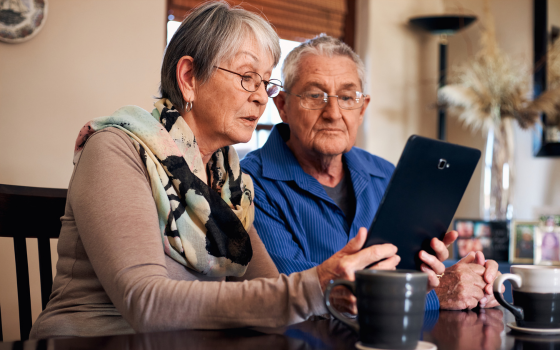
point(483, 301)
point(423, 255)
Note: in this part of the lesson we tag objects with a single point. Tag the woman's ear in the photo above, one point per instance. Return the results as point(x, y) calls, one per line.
point(185, 77)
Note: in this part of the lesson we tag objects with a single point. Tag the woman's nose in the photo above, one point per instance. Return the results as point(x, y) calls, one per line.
point(260, 96)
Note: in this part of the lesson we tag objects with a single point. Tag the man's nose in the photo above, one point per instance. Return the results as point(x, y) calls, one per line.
point(332, 109)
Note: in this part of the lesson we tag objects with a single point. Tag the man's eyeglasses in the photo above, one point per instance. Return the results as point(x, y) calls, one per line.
point(347, 99)
point(251, 81)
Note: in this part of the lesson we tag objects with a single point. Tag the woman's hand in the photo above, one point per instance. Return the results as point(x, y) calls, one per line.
point(433, 265)
point(349, 259)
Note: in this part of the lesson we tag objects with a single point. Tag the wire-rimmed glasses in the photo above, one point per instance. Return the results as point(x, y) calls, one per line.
point(347, 99)
point(251, 81)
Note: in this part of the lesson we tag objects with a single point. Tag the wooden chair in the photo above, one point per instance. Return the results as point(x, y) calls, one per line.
point(31, 212)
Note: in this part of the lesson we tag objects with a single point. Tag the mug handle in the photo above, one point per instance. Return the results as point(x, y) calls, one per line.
point(352, 287)
point(514, 280)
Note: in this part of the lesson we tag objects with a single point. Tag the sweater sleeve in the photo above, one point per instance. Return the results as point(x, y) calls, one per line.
point(117, 221)
point(261, 264)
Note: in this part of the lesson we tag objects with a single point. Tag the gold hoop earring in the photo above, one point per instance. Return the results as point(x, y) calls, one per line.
point(188, 106)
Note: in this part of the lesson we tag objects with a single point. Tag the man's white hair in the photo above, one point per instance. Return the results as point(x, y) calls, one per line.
point(322, 45)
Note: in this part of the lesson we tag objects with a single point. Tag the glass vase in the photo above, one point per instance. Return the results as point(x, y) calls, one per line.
point(498, 172)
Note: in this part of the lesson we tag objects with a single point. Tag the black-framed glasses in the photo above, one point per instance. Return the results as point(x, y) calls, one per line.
point(347, 99)
point(251, 81)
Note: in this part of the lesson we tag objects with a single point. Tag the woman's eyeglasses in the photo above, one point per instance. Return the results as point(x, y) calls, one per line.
point(251, 81)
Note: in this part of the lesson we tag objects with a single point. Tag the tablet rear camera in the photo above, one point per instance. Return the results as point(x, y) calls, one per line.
point(442, 164)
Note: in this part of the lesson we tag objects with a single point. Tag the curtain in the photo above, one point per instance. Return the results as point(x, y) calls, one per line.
point(296, 20)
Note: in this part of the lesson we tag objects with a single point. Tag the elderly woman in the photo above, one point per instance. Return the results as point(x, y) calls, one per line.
point(158, 230)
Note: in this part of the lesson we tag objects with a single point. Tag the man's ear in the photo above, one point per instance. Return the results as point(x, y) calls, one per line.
point(363, 110)
point(185, 78)
point(281, 105)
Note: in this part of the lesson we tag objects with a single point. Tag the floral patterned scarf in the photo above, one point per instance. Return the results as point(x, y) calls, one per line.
point(202, 227)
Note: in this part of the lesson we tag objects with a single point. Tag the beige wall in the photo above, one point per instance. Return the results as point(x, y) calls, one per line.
point(402, 71)
point(91, 58)
point(402, 74)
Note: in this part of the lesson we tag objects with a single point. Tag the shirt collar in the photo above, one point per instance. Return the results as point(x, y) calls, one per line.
point(279, 163)
point(361, 164)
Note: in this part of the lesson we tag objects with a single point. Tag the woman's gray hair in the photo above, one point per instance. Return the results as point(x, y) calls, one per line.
point(213, 33)
point(322, 45)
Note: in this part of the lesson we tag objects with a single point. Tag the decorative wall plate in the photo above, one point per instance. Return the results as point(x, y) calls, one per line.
point(21, 20)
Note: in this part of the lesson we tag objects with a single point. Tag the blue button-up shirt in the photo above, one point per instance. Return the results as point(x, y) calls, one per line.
point(299, 224)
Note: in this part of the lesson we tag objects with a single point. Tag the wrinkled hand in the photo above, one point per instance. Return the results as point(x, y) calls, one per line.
point(489, 276)
point(462, 286)
point(433, 265)
point(468, 284)
point(349, 259)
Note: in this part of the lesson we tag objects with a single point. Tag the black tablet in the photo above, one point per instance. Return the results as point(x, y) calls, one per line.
point(422, 197)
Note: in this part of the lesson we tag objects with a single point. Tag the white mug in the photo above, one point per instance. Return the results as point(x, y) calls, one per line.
point(536, 295)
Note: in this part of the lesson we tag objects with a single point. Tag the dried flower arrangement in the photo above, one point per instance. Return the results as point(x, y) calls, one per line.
point(490, 88)
point(493, 87)
point(489, 93)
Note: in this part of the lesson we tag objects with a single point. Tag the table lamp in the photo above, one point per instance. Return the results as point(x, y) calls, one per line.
point(442, 25)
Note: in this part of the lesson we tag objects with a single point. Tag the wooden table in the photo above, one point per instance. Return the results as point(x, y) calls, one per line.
point(458, 330)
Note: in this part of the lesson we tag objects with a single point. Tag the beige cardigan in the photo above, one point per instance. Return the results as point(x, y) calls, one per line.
point(113, 276)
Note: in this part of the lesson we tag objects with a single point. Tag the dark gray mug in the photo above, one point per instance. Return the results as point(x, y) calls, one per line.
point(390, 307)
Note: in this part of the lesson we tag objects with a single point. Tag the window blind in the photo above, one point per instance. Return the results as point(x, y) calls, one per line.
point(296, 20)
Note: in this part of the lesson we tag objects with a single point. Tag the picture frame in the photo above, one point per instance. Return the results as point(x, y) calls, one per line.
point(499, 232)
point(522, 238)
point(483, 234)
point(489, 237)
point(465, 242)
point(549, 220)
point(547, 244)
point(539, 212)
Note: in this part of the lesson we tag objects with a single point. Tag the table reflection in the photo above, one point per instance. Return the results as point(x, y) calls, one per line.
point(465, 330)
point(457, 330)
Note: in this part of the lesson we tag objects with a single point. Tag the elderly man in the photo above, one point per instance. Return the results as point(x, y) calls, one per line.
point(314, 190)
